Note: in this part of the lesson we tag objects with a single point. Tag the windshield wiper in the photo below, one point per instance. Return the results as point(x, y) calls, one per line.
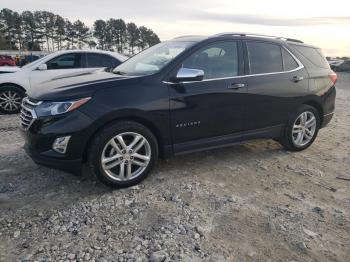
point(120, 73)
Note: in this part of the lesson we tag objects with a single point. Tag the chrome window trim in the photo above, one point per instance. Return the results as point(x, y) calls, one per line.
point(300, 66)
point(295, 58)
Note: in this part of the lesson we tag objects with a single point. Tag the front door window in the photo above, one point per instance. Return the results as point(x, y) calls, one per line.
point(217, 60)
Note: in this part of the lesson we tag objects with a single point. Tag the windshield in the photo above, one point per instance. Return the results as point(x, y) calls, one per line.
point(153, 59)
point(35, 62)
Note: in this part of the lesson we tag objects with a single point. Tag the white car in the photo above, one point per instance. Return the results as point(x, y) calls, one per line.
point(9, 69)
point(13, 85)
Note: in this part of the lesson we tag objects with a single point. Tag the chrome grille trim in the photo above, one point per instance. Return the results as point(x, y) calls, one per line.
point(28, 116)
point(32, 103)
point(24, 113)
point(28, 119)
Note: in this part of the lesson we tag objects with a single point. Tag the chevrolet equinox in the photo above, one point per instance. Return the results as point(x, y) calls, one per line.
point(188, 94)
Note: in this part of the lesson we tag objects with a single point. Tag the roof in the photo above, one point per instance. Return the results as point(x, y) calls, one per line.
point(197, 38)
point(257, 35)
point(190, 38)
point(114, 54)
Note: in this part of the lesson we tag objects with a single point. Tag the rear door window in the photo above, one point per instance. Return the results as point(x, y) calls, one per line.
point(288, 61)
point(314, 55)
point(264, 57)
point(100, 60)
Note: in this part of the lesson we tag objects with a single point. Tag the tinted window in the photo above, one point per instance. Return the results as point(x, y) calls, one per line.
point(289, 61)
point(67, 61)
point(216, 60)
point(314, 55)
point(264, 58)
point(100, 60)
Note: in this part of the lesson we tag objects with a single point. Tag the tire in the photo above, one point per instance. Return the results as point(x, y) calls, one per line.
point(297, 138)
point(104, 148)
point(8, 105)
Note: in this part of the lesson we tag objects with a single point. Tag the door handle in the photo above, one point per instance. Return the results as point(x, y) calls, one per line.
point(236, 86)
point(296, 79)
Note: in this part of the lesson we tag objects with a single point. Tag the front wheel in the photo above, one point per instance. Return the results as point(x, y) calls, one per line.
point(302, 129)
point(123, 154)
point(10, 99)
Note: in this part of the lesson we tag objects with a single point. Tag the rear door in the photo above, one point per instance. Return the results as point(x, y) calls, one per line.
point(212, 107)
point(60, 66)
point(276, 83)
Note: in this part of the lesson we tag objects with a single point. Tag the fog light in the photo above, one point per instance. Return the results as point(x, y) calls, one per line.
point(60, 144)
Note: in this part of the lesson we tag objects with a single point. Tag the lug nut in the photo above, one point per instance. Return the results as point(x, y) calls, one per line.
point(130, 151)
point(126, 161)
point(121, 158)
point(131, 157)
point(123, 151)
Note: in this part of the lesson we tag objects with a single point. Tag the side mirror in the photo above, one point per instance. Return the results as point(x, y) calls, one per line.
point(42, 67)
point(188, 74)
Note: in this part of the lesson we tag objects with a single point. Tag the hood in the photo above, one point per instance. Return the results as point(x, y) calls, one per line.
point(75, 85)
point(9, 69)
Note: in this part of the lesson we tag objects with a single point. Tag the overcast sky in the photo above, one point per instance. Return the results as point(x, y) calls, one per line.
point(322, 23)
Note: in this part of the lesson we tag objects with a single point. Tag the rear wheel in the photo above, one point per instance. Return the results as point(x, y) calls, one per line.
point(302, 129)
point(10, 99)
point(123, 154)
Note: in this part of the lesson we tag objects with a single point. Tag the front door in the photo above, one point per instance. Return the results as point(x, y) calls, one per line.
point(60, 66)
point(213, 107)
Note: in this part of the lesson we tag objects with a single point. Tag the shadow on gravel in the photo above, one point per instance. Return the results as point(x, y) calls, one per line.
point(24, 184)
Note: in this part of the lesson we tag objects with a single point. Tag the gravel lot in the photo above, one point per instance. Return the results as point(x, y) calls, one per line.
point(248, 202)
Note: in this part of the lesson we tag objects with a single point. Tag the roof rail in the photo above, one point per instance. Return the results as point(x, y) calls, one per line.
point(257, 35)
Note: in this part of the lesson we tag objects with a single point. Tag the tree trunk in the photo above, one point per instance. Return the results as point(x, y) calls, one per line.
point(47, 43)
point(32, 40)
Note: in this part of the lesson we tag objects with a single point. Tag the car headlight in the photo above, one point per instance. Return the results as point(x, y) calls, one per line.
point(57, 108)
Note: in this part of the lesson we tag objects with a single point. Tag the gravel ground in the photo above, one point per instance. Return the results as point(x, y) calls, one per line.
point(249, 202)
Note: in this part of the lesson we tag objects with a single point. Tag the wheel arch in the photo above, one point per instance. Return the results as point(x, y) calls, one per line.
point(318, 107)
point(141, 120)
point(12, 84)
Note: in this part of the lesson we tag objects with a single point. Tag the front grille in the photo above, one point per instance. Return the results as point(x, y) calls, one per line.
point(28, 116)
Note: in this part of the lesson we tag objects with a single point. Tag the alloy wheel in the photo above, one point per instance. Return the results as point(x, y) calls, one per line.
point(10, 101)
point(304, 128)
point(126, 156)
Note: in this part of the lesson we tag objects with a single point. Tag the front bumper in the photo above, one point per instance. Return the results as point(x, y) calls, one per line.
point(41, 135)
point(69, 165)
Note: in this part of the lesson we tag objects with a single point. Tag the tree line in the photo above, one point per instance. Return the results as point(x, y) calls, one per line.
point(43, 30)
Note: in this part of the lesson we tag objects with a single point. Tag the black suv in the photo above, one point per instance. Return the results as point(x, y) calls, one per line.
point(188, 94)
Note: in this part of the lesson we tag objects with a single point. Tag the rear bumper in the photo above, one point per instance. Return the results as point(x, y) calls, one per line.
point(326, 119)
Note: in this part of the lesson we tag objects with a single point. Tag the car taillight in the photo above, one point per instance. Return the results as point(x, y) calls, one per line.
point(333, 77)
